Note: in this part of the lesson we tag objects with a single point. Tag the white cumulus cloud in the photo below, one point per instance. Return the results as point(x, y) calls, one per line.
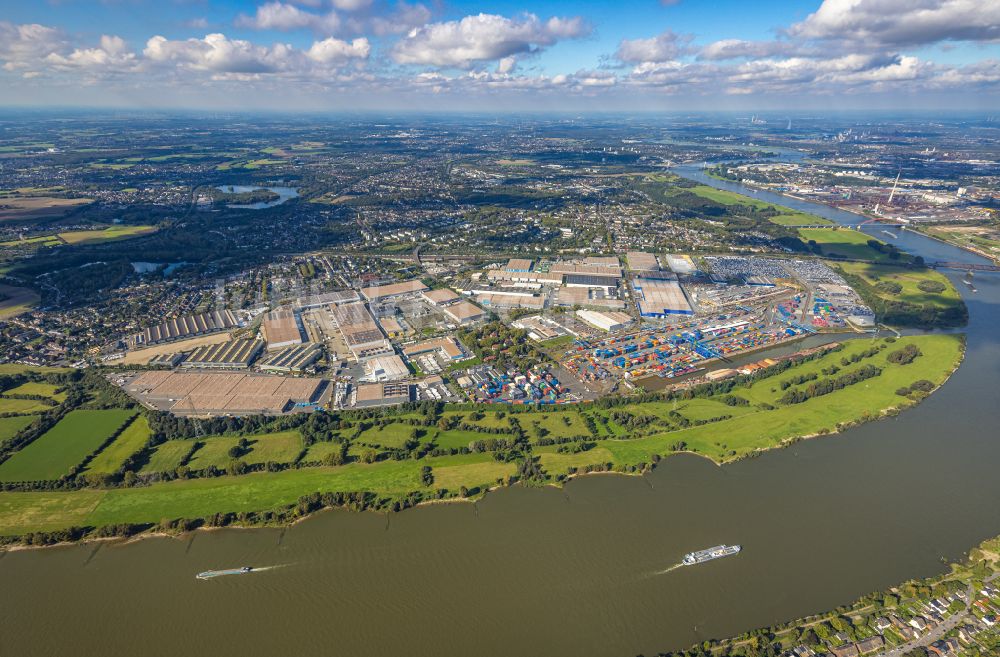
point(483, 38)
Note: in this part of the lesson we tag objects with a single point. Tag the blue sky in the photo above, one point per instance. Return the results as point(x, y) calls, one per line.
point(501, 55)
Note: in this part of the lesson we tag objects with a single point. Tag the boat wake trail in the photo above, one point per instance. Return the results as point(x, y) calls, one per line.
point(657, 573)
point(667, 570)
point(245, 570)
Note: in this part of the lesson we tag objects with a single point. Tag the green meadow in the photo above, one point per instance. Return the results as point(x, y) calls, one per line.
point(64, 446)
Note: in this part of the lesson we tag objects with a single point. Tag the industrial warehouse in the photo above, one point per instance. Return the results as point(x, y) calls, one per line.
point(181, 328)
point(660, 297)
point(209, 393)
point(235, 354)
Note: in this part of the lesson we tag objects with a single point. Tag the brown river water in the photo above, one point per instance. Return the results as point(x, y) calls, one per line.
point(584, 570)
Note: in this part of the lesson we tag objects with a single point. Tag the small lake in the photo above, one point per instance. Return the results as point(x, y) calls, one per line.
point(284, 193)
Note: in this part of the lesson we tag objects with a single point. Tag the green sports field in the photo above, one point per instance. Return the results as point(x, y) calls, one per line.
point(64, 446)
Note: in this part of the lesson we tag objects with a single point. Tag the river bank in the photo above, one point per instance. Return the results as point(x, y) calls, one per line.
point(744, 419)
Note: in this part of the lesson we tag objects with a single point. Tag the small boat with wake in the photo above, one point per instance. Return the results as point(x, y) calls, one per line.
point(209, 574)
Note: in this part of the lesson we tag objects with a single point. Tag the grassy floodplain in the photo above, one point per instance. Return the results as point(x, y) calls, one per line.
point(10, 426)
point(108, 234)
point(909, 281)
point(64, 446)
point(110, 459)
point(846, 243)
point(731, 422)
point(787, 216)
point(283, 447)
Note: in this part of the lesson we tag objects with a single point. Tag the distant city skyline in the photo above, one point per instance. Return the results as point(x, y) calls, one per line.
point(502, 55)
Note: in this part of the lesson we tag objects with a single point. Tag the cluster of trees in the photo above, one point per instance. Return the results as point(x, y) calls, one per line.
point(931, 287)
point(888, 249)
point(801, 378)
point(826, 386)
point(917, 388)
point(504, 346)
point(905, 355)
point(861, 355)
point(898, 312)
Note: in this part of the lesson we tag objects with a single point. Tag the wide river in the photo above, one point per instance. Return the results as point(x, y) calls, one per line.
point(578, 571)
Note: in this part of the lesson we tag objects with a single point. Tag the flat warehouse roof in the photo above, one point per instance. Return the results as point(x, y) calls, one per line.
point(203, 392)
point(463, 310)
point(661, 297)
point(394, 289)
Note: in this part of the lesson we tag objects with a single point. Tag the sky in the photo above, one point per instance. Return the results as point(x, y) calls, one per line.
point(501, 55)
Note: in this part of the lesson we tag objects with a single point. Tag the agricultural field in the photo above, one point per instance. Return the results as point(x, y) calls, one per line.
point(16, 300)
point(64, 446)
point(845, 243)
point(283, 447)
point(43, 389)
point(18, 368)
point(36, 241)
point(108, 234)
point(25, 208)
point(10, 426)
point(168, 456)
point(22, 406)
point(110, 459)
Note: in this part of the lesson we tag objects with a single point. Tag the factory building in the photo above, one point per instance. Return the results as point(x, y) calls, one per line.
point(642, 261)
point(233, 393)
point(292, 359)
point(282, 328)
point(361, 334)
point(588, 275)
point(448, 347)
point(440, 297)
point(386, 368)
point(327, 299)
point(377, 292)
point(463, 313)
point(531, 277)
point(509, 300)
point(681, 264)
point(658, 297)
point(181, 328)
point(381, 394)
point(609, 321)
point(232, 355)
point(519, 265)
